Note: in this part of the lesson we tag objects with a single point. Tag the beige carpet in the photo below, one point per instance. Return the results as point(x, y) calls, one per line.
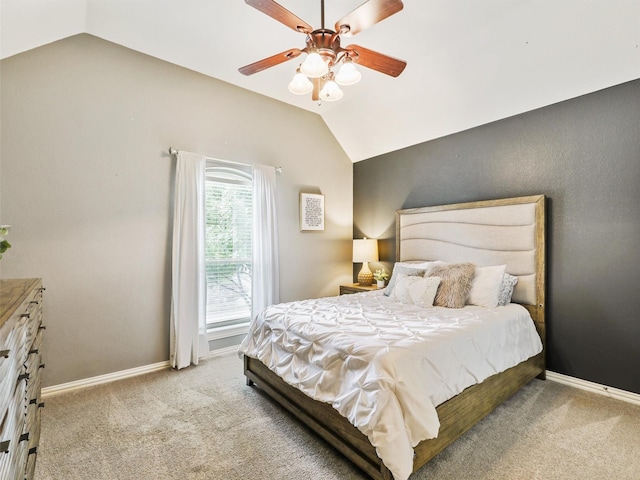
point(204, 423)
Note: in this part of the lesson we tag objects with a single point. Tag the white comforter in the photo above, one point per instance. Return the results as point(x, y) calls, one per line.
point(385, 365)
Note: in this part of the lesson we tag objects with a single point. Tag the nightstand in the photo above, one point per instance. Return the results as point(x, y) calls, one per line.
point(356, 287)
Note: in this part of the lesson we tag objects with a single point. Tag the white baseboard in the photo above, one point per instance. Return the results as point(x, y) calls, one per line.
point(616, 393)
point(100, 379)
point(122, 374)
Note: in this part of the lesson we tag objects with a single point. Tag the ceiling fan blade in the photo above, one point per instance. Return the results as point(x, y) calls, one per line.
point(270, 61)
point(366, 15)
point(281, 14)
point(376, 61)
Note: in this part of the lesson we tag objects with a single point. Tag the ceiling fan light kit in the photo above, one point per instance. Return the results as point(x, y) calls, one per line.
point(315, 75)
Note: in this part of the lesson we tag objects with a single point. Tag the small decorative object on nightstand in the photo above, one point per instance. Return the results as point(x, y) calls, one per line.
point(381, 276)
point(355, 288)
point(364, 251)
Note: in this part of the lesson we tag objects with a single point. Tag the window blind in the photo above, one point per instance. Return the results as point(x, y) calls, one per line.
point(228, 207)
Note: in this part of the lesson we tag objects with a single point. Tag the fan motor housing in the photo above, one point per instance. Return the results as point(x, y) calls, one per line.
point(326, 42)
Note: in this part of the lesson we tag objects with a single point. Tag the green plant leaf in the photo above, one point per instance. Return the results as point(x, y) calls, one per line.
point(4, 245)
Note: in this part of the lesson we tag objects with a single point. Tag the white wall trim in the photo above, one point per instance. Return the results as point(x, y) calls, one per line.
point(122, 374)
point(611, 392)
point(100, 379)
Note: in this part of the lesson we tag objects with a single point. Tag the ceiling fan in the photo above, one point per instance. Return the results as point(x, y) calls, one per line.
point(324, 52)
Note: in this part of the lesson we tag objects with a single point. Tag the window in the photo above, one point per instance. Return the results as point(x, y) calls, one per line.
point(229, 206)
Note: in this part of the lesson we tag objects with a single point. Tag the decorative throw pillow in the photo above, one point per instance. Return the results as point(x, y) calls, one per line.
point(404, 269)
point(486, 286)
point(506, 289)
point(415, 290)
point(410, 268)
point(454, 285)
point(400, 292)
point(423, 292)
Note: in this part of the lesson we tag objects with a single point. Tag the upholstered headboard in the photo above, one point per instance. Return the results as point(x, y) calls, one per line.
point(495, 232)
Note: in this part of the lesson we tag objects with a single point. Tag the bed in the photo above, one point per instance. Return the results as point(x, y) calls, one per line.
point(506, 232)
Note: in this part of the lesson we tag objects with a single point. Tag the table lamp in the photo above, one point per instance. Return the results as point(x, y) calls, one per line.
point(365, 250)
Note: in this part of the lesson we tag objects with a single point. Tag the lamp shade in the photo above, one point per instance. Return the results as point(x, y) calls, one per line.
point(300, 85)
point(348, 74)
point(331, 92)
point(314, 66)
point(365, 250)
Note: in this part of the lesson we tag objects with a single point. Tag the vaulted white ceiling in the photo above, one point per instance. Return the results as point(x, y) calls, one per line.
point(470, 62)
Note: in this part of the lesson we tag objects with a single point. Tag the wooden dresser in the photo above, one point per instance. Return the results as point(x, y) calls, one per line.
point(21, 333)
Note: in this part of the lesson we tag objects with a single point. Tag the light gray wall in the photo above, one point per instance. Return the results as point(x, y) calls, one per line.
point(87, 185)
point(584, 154)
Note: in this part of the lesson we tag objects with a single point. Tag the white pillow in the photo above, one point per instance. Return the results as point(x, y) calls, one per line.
point(485, 286)
point(415, 290)
point(402, 269)
point(410, 268)
point(426, 265)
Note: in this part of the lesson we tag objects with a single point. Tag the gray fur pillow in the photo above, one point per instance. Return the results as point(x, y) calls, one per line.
point(455, 284)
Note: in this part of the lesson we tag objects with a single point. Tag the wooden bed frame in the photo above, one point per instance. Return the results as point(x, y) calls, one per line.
point(456, 415)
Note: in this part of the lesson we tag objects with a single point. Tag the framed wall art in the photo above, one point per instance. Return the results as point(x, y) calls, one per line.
point(311, 211)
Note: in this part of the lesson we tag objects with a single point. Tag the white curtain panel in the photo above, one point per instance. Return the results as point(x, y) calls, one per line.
point(188, 334)
point(266, 283)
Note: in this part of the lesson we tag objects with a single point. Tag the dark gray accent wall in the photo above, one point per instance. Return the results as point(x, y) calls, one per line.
point(584, 155)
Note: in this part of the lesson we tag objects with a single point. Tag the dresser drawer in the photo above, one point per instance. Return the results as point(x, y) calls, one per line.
point(7, 382)
point(14, 369)
point(37, 342)
point(6, 331)
point(12, 432)
point(34, 376)
point(34, 430)
point(31, 464)
point(13, 341)
point(32, 419)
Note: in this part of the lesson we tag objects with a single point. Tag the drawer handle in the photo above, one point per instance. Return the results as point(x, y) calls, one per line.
point(4, 353)
point(41, 365)
point(41, 405)
point(23, 437)
point(42, 289)
point(33, 450)
point(28, 315)
point(42, 327)
point(35, 350)
point(34, 301)
point(23, 376)
point(4, 446)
